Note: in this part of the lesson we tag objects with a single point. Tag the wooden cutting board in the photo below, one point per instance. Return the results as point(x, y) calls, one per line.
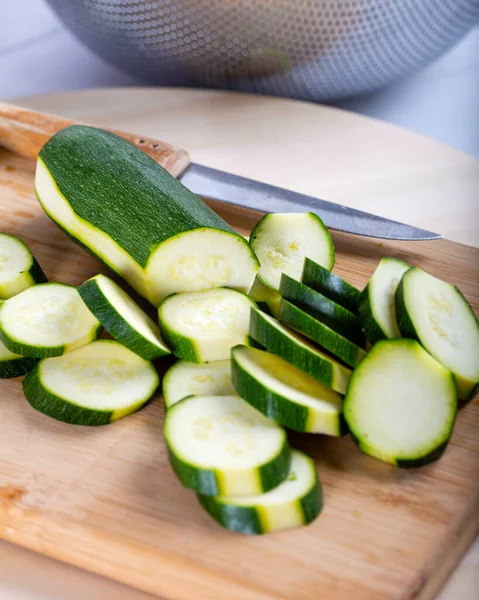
point(105, 499)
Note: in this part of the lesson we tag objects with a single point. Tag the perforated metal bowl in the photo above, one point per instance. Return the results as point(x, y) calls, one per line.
point(310, 49)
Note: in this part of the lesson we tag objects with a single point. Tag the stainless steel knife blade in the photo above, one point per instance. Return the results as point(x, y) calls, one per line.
point(233, 189)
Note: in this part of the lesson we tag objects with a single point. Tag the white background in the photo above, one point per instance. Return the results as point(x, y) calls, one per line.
point(37, 55)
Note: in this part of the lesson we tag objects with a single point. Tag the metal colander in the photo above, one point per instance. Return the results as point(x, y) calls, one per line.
point(309, 49)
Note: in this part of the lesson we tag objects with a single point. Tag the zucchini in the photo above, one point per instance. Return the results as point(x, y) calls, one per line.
point(286, 394)
point(297, 351)
point(377, 307)
point(281, 241)
point(135, 217)
point(297, 501)
point(318, 332)
point(267, 299)
point(437, 315)
point(48, 319)
point(122, 317)
point(327, 311)
point(222, 446)
point(190, 379)
point(331, 285)
point(401, 404)
point(204, 326)
point(19, 269)
point(14, 365)
point(93, 385)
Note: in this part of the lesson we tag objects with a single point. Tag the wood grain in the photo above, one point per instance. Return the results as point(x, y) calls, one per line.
point(105, 499)
point(25, 131)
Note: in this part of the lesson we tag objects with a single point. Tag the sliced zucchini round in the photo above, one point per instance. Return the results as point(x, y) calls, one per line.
point(122, 317)
point(299, 352)
point(285, 394)
point(377, 307)
point(401, 404)
point(331, 285)
point(48, 319)
point(204, 326)
point(92, 385)
point(14, 365)
point(190, 379)
point(297, 501)
point(281, 241)
point(220, 445)
point(333, 315)
point(19, 269)
point(437, 314)
point(318, 332)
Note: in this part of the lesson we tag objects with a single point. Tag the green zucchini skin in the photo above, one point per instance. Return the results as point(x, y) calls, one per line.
point(51, 405)
point(323, 309)
point(282, 409)
point(302, 356)
point(16, 367)
point(331, 285)
point(119, 328)
point(115, 169)
point(466, 388)
point(252, 519)
point(333, 342)
point(242, 519)
point(267, 401)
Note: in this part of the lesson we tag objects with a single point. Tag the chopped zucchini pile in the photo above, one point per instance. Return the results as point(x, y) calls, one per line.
point(267, 336)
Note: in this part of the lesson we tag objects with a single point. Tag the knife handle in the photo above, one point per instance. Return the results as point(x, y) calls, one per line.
point(25, 131)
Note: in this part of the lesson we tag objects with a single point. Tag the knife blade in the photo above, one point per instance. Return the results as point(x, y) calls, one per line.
point(25, 131)
point(233, 189)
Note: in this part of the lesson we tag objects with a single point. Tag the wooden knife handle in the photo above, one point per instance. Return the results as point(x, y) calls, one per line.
point(24, 132)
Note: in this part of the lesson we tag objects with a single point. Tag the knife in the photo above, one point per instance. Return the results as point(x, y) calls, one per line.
point(25, 131)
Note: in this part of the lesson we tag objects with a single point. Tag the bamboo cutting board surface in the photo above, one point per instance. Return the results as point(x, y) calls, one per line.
point(105, 499)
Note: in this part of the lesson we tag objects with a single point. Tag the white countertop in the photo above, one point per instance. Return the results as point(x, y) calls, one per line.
point(37, 55)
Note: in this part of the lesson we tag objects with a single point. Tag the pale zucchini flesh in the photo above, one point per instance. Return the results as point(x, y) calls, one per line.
point(204, 326)
point(220, 445)
point(295, 502)
point(281, 241)
point(92, 385)
point(299, 352)
point(123, 318)
point(333, 342)
point(19, 269)
point(439, 317)
point(401, 404)
point(137, 218)
point(266, 298)
point(185, 379)
point(285, 394)
point(48, 319)
point(377, 308)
